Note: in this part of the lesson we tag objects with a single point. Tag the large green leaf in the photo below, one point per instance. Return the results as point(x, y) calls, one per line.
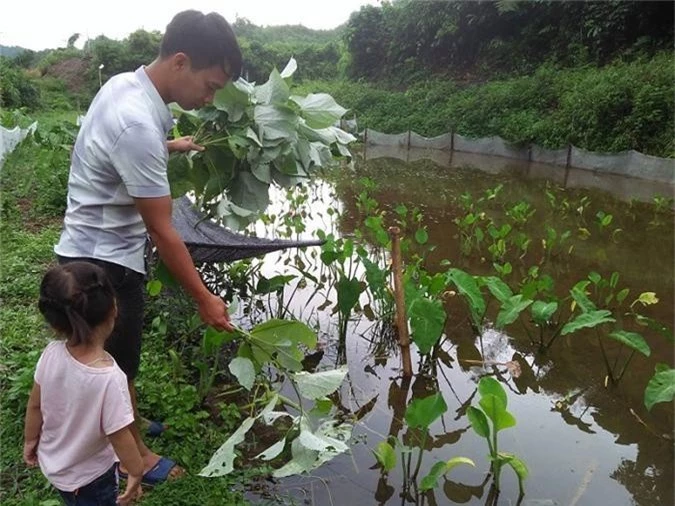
point(178, 173)
point(348, 292)
point(479, 421)
point(632, 340)
point(222, 462)
point(588, 320)
point(490, 386)
point(320, 384)
point(578, 293)
point(319, 109)
point(543, 311)
point(243, 370)
point(249, 193)
point(427, 320)
point(498, 288)
point(467, 286)
point(656, 326)
point(273, 451)
point(421, 413)
point(274, 331)
point(511, 309)
point(274, 91)
point(661, 387)
point(385, 455)
point(495, 409)
point(275, 122)
point(233, 100)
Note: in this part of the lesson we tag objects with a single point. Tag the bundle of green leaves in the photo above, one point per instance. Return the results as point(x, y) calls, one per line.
point(255, 136)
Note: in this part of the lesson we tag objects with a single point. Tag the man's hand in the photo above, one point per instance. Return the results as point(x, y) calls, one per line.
point(30, 452)
point(213, 311)
point(183, 145)
point(132, 492)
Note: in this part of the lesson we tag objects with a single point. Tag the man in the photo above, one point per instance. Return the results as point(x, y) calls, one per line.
point(118, 187)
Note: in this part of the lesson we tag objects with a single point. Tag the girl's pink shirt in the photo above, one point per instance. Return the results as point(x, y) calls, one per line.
point(81, 406)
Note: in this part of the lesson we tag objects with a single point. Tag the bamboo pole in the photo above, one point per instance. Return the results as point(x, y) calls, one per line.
point(401, 318)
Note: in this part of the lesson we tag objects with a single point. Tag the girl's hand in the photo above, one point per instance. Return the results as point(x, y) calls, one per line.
point(30, 452)
point(183, 145)
point(132, 492)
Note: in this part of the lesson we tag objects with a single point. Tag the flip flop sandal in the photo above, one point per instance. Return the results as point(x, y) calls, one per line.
point(158, 474)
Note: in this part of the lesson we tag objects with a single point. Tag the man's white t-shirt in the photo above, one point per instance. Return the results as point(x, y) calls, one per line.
point(120, 153)
point(80, 407)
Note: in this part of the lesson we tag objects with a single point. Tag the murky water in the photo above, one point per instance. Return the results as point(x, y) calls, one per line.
point(584, 443)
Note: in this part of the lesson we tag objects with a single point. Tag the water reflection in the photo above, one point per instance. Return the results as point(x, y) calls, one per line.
point(624, 188)
point(580, 440)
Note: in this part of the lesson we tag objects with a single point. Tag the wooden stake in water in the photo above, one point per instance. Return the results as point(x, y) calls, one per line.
point(401, 318)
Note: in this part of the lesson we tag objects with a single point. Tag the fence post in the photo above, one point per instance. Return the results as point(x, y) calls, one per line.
point(365, 143)
point(401, 318)
point(452, 140)
point(408, 139)
point(568, 164)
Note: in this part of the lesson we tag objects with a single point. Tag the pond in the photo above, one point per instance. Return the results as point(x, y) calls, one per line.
point(584, 440)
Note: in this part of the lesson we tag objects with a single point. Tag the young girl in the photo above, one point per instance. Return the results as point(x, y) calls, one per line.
point(79, 411)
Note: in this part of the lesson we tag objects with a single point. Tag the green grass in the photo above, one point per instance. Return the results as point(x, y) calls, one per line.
point(29, 230)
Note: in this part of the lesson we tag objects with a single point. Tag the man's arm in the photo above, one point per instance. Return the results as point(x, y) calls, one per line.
point(156, 213)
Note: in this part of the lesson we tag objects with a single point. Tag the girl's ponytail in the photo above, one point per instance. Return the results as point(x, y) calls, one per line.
point(75, 298)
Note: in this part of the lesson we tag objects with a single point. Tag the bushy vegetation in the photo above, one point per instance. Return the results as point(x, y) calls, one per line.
point(405, 40)
point(16, 89)
point(617, 107)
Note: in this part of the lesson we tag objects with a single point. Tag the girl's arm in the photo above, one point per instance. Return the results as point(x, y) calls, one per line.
point(126, 449)
point(32, 427)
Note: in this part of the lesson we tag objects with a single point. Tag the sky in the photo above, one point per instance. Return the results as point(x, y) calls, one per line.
point(41, 24)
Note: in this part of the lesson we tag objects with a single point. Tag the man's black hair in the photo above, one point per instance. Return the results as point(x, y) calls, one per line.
point(207, 39)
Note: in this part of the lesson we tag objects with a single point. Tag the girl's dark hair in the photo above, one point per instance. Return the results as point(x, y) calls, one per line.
point(75, 298)
point(207, 39)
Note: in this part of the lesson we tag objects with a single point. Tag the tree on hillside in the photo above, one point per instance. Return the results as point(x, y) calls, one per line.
point(72, 39)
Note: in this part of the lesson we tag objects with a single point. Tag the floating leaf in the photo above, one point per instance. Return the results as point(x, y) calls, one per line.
point(242, 368)
point(632, 340)
point(661, 387)
point(421, 413)
point(591, 319)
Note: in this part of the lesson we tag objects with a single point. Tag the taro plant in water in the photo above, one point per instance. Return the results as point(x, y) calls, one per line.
point(419, 415)
point(489, 419)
